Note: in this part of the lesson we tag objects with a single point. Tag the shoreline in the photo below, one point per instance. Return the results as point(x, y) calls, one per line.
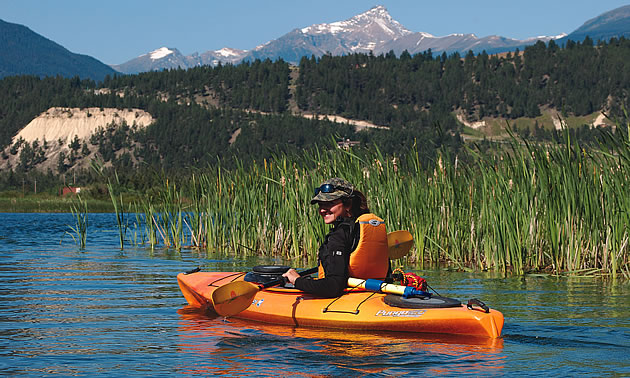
point(48, 204)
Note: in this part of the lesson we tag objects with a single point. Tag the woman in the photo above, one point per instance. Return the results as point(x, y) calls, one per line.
point(345, 208)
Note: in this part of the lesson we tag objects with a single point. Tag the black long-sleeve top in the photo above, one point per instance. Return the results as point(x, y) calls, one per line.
point(334, 256)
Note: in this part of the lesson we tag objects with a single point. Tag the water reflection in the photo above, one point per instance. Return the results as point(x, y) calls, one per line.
point(281, 350)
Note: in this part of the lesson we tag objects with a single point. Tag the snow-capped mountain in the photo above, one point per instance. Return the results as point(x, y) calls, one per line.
point(162, 58)
point(167, 58)
point(224, 55)
point(372, 31)
point(360, 34)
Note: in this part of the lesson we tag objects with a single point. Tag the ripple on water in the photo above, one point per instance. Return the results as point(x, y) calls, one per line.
point(102, 311)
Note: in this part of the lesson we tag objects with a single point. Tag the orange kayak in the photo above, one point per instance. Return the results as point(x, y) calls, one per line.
point(356, 309)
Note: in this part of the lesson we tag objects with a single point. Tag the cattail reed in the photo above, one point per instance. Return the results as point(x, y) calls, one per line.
point(531, 207)
point(79, 209)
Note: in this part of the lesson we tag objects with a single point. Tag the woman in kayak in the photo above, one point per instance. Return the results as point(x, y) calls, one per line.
point(342, 253)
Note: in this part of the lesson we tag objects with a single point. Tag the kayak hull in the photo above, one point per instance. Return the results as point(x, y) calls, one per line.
point(355, 310)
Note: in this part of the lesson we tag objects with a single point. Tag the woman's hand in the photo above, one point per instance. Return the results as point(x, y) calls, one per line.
point(291, 275)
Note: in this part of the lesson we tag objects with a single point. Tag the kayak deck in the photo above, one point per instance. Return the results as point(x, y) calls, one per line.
point(355, 310)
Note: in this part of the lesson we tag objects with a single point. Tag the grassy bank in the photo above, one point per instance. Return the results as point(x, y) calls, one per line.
point(12, 202)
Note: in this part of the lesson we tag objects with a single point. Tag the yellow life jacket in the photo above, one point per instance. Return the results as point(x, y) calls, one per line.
point(370, 258)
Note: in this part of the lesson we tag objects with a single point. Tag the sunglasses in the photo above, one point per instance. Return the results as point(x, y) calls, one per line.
point(329, 188)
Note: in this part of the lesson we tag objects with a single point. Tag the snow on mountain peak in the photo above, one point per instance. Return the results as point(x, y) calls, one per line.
point(227, 52)
point(160, 53)
point(545, 38)
point(376, 16)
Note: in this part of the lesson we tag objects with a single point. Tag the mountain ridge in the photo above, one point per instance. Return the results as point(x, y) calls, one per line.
point(607, 25)
point(26, 52)
point(373, 31)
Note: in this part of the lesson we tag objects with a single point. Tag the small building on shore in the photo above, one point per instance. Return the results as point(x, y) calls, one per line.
point(69, 190)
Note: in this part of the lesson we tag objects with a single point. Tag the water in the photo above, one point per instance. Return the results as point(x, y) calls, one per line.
point(120, 313)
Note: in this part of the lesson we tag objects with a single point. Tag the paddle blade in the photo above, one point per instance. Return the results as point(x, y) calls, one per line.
point(232, 298)
point(399, 243)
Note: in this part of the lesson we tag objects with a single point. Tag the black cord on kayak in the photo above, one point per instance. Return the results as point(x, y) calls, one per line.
point(197, 269)
point(228, 245)
point(246, 247)
point(435, 291)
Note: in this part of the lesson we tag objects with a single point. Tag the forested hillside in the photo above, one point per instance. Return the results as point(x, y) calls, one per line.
point(579, 79)
point(255, 110)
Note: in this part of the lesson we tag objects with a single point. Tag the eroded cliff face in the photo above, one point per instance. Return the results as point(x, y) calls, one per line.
point(54, 130)
point(65, 123)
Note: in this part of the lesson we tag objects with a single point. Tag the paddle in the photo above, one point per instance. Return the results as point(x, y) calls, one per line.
point(234, 297)
point(399, 243)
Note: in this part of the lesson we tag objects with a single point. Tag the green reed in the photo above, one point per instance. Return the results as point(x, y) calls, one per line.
point(532, 207)
point(116, 197)
point(140, 232)
point(79, 209)
point(119, 210)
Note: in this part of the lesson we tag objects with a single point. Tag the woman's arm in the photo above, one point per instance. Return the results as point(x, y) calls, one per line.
point(334, 257)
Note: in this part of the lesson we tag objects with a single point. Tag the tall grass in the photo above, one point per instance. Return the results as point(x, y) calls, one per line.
point(119, 210)
point(116, 197)
point(532, 207)
point(79, 210)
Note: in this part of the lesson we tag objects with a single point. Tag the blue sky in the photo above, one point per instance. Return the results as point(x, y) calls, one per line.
point(115, 31)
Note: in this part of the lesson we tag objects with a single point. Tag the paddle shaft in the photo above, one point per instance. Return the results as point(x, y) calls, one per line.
point(283, 279)
point(236, 296)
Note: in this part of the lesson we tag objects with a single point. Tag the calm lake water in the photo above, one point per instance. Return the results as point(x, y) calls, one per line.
point(103, 311)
